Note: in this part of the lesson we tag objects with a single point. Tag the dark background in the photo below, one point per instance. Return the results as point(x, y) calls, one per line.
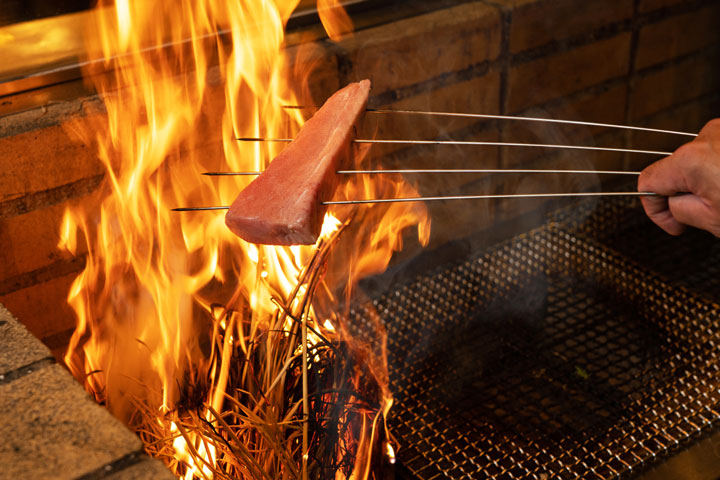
point(15, 11)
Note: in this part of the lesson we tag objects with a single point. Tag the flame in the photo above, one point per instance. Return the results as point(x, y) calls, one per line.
point(334, 18)
point(177, 94)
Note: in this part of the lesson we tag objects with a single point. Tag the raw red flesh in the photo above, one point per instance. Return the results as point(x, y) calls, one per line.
point(282, 206)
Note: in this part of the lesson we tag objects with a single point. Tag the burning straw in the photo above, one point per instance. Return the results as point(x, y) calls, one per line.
point(297, 402)
point(214, 350)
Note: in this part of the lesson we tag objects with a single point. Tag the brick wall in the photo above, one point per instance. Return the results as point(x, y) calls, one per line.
point(51, 428)
point(644, 62)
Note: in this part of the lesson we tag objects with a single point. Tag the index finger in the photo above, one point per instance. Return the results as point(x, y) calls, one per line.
point(658, 210)
point(667, 176)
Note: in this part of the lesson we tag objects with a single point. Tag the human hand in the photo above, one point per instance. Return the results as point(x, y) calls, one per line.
point(689, 182)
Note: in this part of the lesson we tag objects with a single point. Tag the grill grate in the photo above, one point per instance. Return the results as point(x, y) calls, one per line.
point(691, 260)
point(576, 350)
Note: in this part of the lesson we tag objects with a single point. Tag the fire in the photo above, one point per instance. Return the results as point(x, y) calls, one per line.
point(172, 309)
point(334, 18)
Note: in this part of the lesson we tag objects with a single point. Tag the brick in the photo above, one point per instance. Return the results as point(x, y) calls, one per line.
point(416, 49)
point(20, 113)
point(677, 84)
point(689, 117)
point(477, 95)
point(573, 159)
point(443, 214)
point(536, 23)
point(600, 160)
point(146, 469)
point(43, 159)
point(537, 81)
point(645, 6)
point(58, 344)
point(43, 308)
point(604, 106)
point(29, 242)
point(458, 219)
point(677, 36)
point(533, 210)
point(448, 157)
point(450, 219)
point(315, 69)
point(51, 428)
point(18, 347)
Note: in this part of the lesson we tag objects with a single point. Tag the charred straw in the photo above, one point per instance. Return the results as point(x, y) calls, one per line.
point(264, 429)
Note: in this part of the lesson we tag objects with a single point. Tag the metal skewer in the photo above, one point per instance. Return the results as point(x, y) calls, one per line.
point(456, 197)
point(449, 170)
point(511, 117)
point(483, 197)
point(485, 170)
point(466, 143)
point(194, 209)
point(477, 143)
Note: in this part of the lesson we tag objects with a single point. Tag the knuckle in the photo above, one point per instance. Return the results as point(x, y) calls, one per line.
point(692, 157)
point(710, 129)
point(713, 124)
point(687, 151)
point(645, 179)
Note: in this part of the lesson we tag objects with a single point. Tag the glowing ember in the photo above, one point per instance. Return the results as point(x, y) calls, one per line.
point(203, 343)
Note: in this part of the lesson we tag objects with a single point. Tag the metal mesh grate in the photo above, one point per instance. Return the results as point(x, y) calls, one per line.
point(561, 353)
point(691, 260)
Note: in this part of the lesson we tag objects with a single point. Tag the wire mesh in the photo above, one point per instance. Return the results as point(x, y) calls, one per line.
point(586, 348)
point(691, 260)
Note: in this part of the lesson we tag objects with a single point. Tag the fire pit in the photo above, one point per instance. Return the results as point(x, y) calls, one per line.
point(563, 352)
point(574, 347)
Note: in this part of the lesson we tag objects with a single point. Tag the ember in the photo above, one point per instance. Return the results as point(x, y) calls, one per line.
point(230, 360)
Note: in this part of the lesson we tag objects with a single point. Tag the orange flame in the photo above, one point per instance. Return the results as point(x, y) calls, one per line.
point(152, 275)
point(334, 18)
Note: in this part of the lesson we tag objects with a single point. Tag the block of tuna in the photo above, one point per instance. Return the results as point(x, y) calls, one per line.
point(282, 206)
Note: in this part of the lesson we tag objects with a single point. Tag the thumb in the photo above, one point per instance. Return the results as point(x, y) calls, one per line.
point(665, 177)
point(691, 210)
point(657, 209)
point(658, 178)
